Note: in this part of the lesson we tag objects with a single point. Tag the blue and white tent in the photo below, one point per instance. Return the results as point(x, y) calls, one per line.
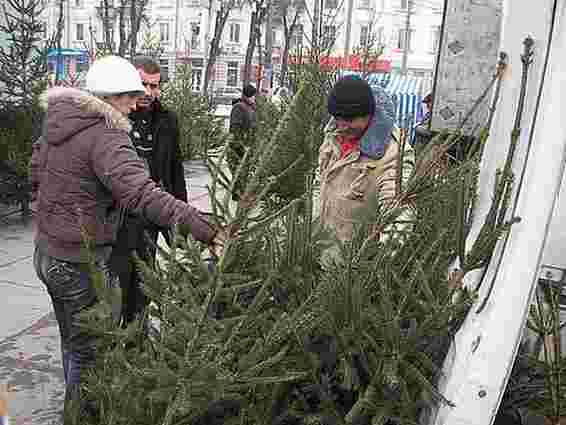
point(406, 93)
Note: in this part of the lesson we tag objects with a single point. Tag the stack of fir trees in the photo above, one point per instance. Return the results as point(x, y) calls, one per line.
point(279, 331)
point(199, 128)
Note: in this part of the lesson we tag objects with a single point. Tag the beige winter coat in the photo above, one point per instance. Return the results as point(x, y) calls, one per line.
point(350, 183)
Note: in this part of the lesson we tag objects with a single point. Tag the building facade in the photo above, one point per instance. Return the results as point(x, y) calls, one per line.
point(183, 29)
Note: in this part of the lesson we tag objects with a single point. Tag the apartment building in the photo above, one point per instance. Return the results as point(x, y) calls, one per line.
point(422, 38)
point(184, 28)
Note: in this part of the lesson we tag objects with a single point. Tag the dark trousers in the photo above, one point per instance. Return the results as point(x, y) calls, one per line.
point(135, 236)
point(72, 291)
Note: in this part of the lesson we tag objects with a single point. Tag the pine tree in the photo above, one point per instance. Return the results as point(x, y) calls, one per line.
point(23, 64)
point(199, 129)
point(290, 326)
point(23, 73)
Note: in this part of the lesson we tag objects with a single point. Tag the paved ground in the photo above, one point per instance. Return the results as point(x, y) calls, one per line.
point(30, 359)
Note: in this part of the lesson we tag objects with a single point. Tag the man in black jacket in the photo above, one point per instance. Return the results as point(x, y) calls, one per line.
point(156, 137)
point(242, 116)
point(242, 126)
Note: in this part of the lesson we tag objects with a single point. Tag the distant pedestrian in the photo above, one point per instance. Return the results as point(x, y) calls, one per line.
point(89, 176)
point(421, 128)
point(242, 127)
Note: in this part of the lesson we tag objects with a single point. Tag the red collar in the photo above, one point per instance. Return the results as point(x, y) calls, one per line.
point(350, 144)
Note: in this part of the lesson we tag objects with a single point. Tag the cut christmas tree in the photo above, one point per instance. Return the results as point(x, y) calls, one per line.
point(290, 326)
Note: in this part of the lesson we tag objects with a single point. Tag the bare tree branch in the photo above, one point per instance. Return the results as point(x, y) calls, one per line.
point(256, 21)
point(290, 13)
point(222, 15)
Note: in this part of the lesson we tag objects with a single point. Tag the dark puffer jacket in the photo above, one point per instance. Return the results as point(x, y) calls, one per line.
point(242, 116)
point(89, 173)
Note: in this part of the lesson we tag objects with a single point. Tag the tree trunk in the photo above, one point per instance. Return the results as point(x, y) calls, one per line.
point(106, 24)
point(135, 21)
point(284, 64)
point(58, 38)
point(260, 54)
point(254, 39)
point(123, 46)
point(250, 50)
point(315, 36)
point(221, 18)
point(288, 32)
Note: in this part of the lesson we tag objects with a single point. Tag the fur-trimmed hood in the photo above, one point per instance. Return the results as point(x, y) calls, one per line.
point(70, 111)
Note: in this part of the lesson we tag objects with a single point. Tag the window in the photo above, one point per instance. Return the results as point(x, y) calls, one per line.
point(379, 38)
point(234, 33)
point(80, 34)
point(364, 35)
point(195, 33)
point(43, 30)
point(328, 36)
point(297, 37)
point(81, 64)
point(164, 32)
point(196, 79)
point(232, 75)
point(405, 40)
point(164, 65)
point(197, 67)
point(331, 4)
point(434, 39)
point(363, 4)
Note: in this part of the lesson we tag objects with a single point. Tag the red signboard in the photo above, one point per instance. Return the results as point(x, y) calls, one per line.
point(352, 63)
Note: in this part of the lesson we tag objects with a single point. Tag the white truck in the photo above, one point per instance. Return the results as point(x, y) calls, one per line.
point(481, 357)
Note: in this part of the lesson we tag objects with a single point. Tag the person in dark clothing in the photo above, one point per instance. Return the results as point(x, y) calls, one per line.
point(421, 128)
point(242, 126)
point(242, 116)
point(87, 173)
point(156, 138)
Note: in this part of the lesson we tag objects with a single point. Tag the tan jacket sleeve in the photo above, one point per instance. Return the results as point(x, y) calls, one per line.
point(385, 172)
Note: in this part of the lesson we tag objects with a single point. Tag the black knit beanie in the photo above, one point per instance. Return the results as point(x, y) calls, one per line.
point(249, 91)
point(351, 97)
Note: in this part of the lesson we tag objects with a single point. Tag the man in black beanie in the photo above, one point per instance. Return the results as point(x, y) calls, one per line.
point(242, 126)
point(358, 159)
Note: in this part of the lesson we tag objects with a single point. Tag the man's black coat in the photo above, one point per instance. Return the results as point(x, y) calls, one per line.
point(166, 167)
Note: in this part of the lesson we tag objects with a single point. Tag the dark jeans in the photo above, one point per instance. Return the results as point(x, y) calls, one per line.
point(72, 291)
point(134, 236)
